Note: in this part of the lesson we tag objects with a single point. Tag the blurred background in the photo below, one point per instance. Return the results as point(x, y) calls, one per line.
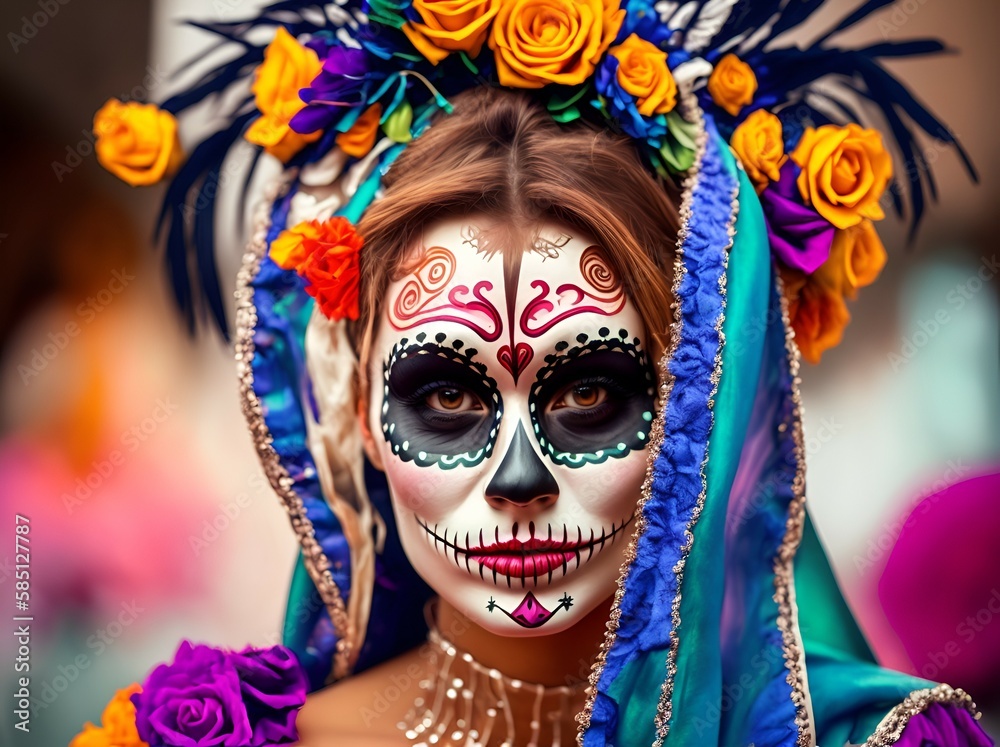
point(122, 441)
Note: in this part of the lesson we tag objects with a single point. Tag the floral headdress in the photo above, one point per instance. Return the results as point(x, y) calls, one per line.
point(336, 96)
point(341, 76)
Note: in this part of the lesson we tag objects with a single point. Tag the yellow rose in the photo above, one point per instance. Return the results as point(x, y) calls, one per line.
point(643, 73)
point(817, 313)
point(450, 26)
point(857, 256)
point(287, 68)
point(138, 143)
point(844, 172)
point(759, 145)
point(732, 84)
point(360, 138)
point(537, 42)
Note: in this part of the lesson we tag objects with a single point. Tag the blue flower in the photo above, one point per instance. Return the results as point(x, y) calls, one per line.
point(621, 106)
point(642, 18)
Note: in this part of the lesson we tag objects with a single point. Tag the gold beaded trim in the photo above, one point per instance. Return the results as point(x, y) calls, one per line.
point(891, 727)
point(784, 574)
point(664, 709)
point(316, 562)
point(666, 384)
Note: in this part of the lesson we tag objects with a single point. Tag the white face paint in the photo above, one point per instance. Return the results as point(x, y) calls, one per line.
point(511, 409)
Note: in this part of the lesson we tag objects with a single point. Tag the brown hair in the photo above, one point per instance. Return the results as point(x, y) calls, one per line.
point(501, 153)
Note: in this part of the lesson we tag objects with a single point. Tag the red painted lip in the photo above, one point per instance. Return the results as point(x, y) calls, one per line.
point(528, 558)
point(526, 565)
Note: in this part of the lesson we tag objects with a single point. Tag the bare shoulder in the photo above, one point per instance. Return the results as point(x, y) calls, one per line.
point(365, 708)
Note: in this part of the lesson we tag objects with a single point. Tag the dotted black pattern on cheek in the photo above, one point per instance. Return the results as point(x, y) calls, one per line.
point(638, 436)
point(400, 443)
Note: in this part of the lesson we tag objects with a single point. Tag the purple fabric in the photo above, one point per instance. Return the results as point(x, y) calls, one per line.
point(208, 698)
point(800, 237)
point(944, 726)
point(333, 92)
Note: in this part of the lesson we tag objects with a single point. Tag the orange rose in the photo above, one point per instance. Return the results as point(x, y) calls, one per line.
point(759, 145)
point(360, 138)
point(450, 26)
point(92, 736)
point(732, 84)
point(856, 258)
point(119, 718)
point(138, 143)
point(844, 172)
point(287, 68)
point(643, 73)
point(118, 724)
point(537, 42)
point(817, 313)
point(326, 255)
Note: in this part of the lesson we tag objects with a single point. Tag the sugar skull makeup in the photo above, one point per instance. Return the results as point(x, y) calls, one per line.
point(511, 404)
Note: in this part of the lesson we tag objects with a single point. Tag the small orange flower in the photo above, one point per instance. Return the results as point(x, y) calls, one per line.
point(287, 68)
point(450, 26)
point(326, 254)
point(360, 138)
point(759, 145)
point(817, 312)
point(856, 258)
point(845, 170)
point(732, 84)
point(643, 73)
point(538, 42)
point(117, 724)
point(138, 143)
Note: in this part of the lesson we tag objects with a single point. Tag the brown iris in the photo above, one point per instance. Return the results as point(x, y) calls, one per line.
point(450, 399)
point(581, 396)
point(453, 399)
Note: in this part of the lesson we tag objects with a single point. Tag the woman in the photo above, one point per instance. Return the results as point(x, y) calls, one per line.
point(529, 381)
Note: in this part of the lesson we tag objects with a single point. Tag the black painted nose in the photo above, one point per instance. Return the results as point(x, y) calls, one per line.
point(522, 478)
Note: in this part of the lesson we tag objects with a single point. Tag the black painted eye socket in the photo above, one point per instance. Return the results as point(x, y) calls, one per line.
point(440, 406)
point(593, 402)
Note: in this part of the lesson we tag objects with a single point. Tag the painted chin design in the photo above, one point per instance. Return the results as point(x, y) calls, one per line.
point(538, 555)
point(530, 613)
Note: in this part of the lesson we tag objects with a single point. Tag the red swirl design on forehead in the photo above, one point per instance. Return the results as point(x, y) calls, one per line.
point(415, 303)
point(546, 309)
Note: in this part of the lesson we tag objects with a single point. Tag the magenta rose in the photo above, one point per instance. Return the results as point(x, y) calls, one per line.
point(194, 702)
point(212, 698)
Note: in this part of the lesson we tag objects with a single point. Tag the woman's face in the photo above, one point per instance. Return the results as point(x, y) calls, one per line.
point(511, 405)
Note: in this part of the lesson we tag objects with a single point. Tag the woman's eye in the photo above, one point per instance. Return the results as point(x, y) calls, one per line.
point(581, 397)
point(453, 399)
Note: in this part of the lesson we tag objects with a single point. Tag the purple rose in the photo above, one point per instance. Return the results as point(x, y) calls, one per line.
point(800, 237)
point(339, 86)
point(274, 688)
point(193, 702)
point(208, 698)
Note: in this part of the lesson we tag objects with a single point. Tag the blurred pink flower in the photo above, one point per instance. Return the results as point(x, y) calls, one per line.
point(941, 585)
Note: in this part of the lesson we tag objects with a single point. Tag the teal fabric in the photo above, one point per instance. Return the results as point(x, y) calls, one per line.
point(699, 665)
